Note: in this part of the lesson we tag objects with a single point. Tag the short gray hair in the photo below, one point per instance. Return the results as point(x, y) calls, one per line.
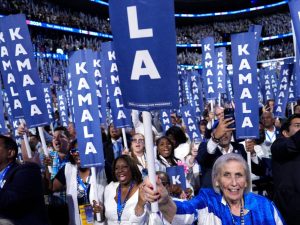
point(221, 161)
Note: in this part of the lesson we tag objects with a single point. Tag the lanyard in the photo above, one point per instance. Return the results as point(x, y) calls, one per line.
point(3, 175)
point(268, 136)
point(121, 205)
point(83, 185)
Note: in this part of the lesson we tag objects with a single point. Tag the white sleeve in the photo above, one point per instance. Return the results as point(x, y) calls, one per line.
point(211, 146)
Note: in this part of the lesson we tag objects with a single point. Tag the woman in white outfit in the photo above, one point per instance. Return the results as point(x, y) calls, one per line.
point(84, 190)
point(121, 197)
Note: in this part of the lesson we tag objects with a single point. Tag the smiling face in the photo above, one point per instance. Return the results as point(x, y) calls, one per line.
point(232, 181)
point(138, 144)
point(164, 148)
point(60, 141)
point(122, 172)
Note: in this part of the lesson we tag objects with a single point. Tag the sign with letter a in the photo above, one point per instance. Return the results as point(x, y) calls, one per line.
point(146, 52)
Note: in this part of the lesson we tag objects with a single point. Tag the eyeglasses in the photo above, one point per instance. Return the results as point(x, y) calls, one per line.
point(138, 140)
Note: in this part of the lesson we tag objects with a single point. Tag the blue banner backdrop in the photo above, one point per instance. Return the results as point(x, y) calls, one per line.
point(85, 105)
point(245, 85)
point(146, 52)
point(19, 67)
point(283, 90)
point(120, 115)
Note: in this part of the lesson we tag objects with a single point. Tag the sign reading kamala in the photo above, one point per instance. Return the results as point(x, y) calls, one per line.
point(196, 90)
point(85, 105)
point(209, 71)
point(19, 67)
point(165, 119)
point(120, 115)
point(48, 100)
point(189, 118)
point(146, 52)
point(283, 90)
point(221, 69)
point(70, 102)
point(245, 85)
point(101, 87)
point(63, 108)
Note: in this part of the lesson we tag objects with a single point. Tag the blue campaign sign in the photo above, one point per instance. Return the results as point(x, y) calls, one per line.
point(146, 52)
point(14, 122)
point(62, 108)
point(85, 105)
point(297, 73)
point(181, 90)
point(196, 91)
point(267, 83)
point(283, 90)
point(48, 100)
point(3, 128)
point(101, 86)
point(294, 6)
point(176, 175)
point(221, 69)
point(257, 35)
point(189, 118)
point(120, 115)
point(245, 85)
point(165, 119)
point(208, 70)
point(292, 88)
point(19, 67)
point(69, 95)
point(229, 89)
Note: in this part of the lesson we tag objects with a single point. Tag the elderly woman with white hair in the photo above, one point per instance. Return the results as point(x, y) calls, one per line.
point(229, 202)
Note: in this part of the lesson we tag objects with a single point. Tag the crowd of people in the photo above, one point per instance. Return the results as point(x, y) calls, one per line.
point(36, 188)
point(280, 48)
point(48, 12)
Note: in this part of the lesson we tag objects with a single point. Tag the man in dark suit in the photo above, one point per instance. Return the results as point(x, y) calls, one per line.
point(286, 165)
point(219, 144)
point(113, 147)
point(21, 192)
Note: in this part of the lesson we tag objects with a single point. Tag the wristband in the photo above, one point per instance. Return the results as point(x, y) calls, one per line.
point(216, 140)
